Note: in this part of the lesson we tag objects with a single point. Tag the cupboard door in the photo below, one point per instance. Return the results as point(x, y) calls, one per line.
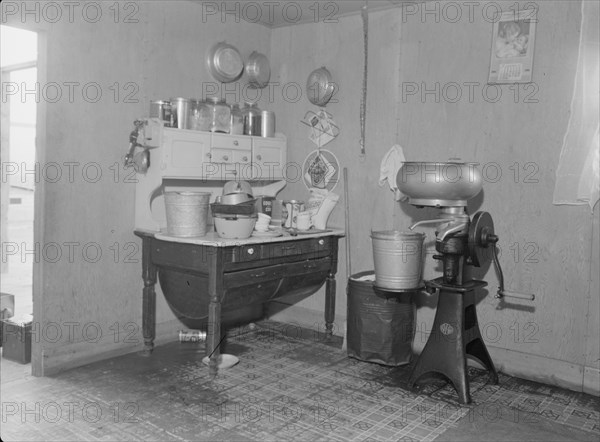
point(269, 158)
point(184, 152)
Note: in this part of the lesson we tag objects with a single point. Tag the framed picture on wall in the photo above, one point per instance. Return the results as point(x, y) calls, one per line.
point(513, 41)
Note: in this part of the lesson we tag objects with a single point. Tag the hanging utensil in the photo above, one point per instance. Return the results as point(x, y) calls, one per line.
point(258, 70)
point(320, 87)
point(225, 62)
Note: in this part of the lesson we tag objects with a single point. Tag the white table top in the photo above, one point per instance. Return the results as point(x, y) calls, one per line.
point(213, 240)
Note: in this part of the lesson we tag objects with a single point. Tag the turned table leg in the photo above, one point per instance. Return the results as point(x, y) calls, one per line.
point(148, 298)
point(215, 291)
point(329, 305)
point(330, 289)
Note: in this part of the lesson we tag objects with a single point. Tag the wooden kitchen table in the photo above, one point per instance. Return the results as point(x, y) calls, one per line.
point(202, 276)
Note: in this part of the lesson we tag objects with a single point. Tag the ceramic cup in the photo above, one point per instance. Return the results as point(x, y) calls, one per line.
point(262, 224)
point(303, 221)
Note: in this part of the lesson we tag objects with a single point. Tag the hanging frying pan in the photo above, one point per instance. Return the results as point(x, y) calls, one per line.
point(320, 87)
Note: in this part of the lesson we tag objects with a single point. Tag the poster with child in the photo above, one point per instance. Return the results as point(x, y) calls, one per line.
point(512, 47)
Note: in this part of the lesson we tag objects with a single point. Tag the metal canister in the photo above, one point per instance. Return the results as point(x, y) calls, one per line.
point(161, 109)
point(292, 207)
point(180, 110)
point(267, 124)
point(252, 119)
point(192, 336)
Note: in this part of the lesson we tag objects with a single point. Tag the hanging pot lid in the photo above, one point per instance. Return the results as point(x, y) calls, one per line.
point(225, 62)
point(258, 70)
point(320, 86)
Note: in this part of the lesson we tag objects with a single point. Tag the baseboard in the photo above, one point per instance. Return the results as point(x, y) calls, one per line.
point(536, 368)
point(58, 359)
point(66, 357)
point(302, 316)
point(591, 381)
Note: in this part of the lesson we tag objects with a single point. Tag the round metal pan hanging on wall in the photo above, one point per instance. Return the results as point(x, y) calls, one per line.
point(258, 70)
point(225, 62)
point(320, 86)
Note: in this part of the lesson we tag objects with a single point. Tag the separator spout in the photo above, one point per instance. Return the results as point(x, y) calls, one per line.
point(429, 221)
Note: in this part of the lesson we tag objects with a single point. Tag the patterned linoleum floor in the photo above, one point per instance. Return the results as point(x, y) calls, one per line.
point(289, 385)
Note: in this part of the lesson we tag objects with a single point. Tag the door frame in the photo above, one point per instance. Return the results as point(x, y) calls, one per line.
point(39, 217)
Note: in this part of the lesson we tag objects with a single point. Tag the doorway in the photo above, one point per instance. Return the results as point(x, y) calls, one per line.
point(19, 69)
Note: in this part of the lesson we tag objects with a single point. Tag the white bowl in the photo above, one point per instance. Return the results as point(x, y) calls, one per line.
point(234, 227)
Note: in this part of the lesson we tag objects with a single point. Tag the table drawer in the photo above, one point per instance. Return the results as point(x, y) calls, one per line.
point(280, 251)
point(313, 247)
point(307, 267)
point(246, 278)
point(251, 277)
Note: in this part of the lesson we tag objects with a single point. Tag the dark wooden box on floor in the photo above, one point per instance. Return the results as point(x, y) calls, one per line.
point(16, 341)
point(7, 308)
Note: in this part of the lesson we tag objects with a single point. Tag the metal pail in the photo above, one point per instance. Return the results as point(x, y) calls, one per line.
point(398, 259)
point(187, 213)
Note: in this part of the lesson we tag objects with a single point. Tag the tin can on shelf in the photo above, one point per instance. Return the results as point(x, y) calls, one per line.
point(180, 110)
point(192, 336)
point(267, 124)
point(252, 119)
point(161, 109)
point(292, 208)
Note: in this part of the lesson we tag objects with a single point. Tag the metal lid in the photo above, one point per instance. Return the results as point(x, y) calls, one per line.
point(258, 70)
point(215, 100)
point(225, 62)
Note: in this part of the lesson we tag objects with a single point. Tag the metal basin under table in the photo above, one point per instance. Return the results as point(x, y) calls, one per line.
point(202, 277)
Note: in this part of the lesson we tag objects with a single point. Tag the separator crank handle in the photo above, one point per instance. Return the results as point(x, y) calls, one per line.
point(507, 294)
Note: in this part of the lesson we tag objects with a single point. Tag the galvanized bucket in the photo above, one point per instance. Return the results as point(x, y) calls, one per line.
point(398, 259)
point(187, 213)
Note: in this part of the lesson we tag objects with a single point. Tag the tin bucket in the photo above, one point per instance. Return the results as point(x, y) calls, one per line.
point(398, 259)
point(187, 213)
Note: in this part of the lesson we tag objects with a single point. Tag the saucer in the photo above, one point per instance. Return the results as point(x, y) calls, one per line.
point(225, 360)
point(269, 234)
